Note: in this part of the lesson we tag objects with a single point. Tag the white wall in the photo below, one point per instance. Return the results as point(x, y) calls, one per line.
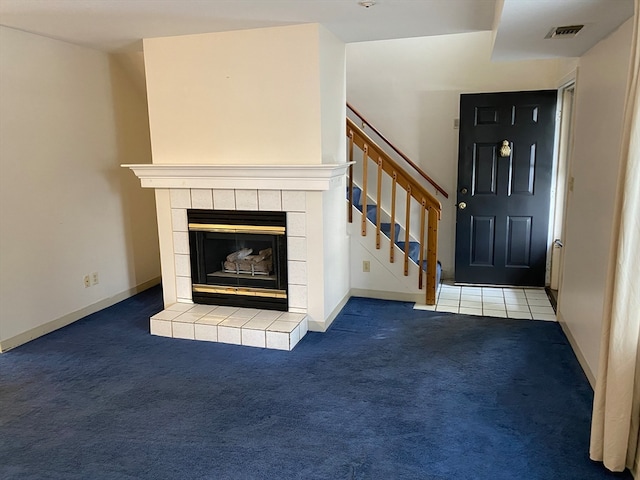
point(242, 97)
point(64, 200)
point(410, 88)
point(600, 94)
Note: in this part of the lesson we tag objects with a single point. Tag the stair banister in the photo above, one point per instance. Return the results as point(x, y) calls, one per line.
point(429, 205)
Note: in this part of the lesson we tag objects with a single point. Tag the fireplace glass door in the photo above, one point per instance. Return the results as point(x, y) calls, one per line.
point(238, 258)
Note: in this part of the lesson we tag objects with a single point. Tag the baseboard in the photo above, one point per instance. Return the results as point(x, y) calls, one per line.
point(576, 350)
point(40, 330)
point(384, 295)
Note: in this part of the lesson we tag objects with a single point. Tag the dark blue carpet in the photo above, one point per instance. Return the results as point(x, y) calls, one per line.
point(386, 393)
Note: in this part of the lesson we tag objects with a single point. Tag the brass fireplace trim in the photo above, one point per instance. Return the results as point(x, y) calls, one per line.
point(246, 291)
point(224, 228)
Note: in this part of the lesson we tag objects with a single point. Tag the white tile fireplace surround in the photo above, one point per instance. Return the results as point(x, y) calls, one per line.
point(300, 191)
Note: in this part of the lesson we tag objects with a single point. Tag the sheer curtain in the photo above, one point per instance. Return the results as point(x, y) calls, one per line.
point(616, 412)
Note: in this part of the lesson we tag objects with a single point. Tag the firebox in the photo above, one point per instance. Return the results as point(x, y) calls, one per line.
point(239, 258)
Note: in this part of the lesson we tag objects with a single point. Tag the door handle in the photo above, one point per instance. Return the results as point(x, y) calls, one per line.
point(462, 205)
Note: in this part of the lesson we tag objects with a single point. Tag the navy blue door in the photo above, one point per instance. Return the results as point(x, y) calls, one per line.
point(504, 180)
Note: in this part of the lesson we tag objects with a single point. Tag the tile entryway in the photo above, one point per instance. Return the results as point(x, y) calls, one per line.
point(522, 303)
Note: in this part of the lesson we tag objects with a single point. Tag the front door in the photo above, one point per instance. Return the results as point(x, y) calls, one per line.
point(504, 179)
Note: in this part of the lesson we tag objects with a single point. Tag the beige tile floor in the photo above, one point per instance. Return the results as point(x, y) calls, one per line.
point(523, 303)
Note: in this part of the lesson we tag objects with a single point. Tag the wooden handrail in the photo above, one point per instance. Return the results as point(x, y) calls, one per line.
point(390, 166)
point(397, 150)
point(429, 205)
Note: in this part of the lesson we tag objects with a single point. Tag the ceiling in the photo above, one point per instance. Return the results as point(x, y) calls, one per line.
point(117, 25)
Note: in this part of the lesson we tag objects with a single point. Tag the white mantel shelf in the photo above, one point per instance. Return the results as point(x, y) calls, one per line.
point(264, 177)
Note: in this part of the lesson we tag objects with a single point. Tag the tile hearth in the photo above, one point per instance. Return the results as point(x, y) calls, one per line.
point(238, 326)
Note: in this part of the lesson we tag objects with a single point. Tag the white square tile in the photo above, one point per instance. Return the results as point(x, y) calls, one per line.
point(207, 320)
point(492, 294)
point(245, 313)
point(269, 315)
point(445, 302)
point(188, 317)
point(179, 220)
point(471, 303)
point(515, 314)
point(223, 311)
point(429, 308)
point(246, 200)
point(492, 289)
point(253, 338)
point(183, 330)
point(279, 326)
point(201, 309)
point(296, 248)
point(449, 288)
point(492, 304)
point(494, 313)
point(160, 327)
point(536, 294)
point(541, 316)
point(294, 201)
point(296, 224)
point(471, 311)
point(516, 301)
point(166, 315)
point(234, 322)
point(294, 338)
point(297, 272)
point(539, 302)
point(181, 242)
point(180, 197)
point(231, 335)
point(518, 308)
point(543, 309)
point(270, 200)
point(304, 326)
point(183, 265)
point(447, 308)
point(298, 296)
point(224, 200)
point(258, 324)
point(513, 292)
point(472, 290)
point(292, 317)
point(180, 307)
point(278, 340)
point(202, 198)
point(474, 296)
point(449, 296)
point(208, 333)
point(297, 310)
point(183, 287)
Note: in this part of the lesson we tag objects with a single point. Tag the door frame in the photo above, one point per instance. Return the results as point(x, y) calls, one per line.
point(563, 182)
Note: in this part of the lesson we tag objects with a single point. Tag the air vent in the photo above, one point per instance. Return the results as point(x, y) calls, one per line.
point(566, 31)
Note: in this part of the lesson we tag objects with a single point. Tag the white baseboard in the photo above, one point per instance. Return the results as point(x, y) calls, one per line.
point(323, 326)
point(576, 349)
point(65, 320)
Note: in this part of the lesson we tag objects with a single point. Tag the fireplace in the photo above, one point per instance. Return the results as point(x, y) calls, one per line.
point(238, 258)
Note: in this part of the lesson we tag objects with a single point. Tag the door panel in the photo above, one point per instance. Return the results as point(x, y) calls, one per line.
point(501, 234)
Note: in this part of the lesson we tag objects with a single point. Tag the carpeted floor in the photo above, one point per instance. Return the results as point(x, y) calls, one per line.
point(387, 393)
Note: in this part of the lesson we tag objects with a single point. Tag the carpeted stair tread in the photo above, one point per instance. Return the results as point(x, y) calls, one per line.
point(414, 250)
point(386, 229)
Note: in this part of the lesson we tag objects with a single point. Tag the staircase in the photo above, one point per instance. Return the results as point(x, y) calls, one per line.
point(378, 211)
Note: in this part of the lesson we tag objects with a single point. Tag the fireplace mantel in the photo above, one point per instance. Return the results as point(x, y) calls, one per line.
point(264, 177)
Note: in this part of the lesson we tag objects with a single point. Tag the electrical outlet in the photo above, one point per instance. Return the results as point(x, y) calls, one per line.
point(366, 266)
point(94, 278)
point(87, 281)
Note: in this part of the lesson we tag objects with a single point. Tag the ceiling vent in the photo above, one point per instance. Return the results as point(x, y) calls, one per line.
point(566, 31)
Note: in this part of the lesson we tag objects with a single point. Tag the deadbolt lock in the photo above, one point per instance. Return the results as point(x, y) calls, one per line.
point(462, 205)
